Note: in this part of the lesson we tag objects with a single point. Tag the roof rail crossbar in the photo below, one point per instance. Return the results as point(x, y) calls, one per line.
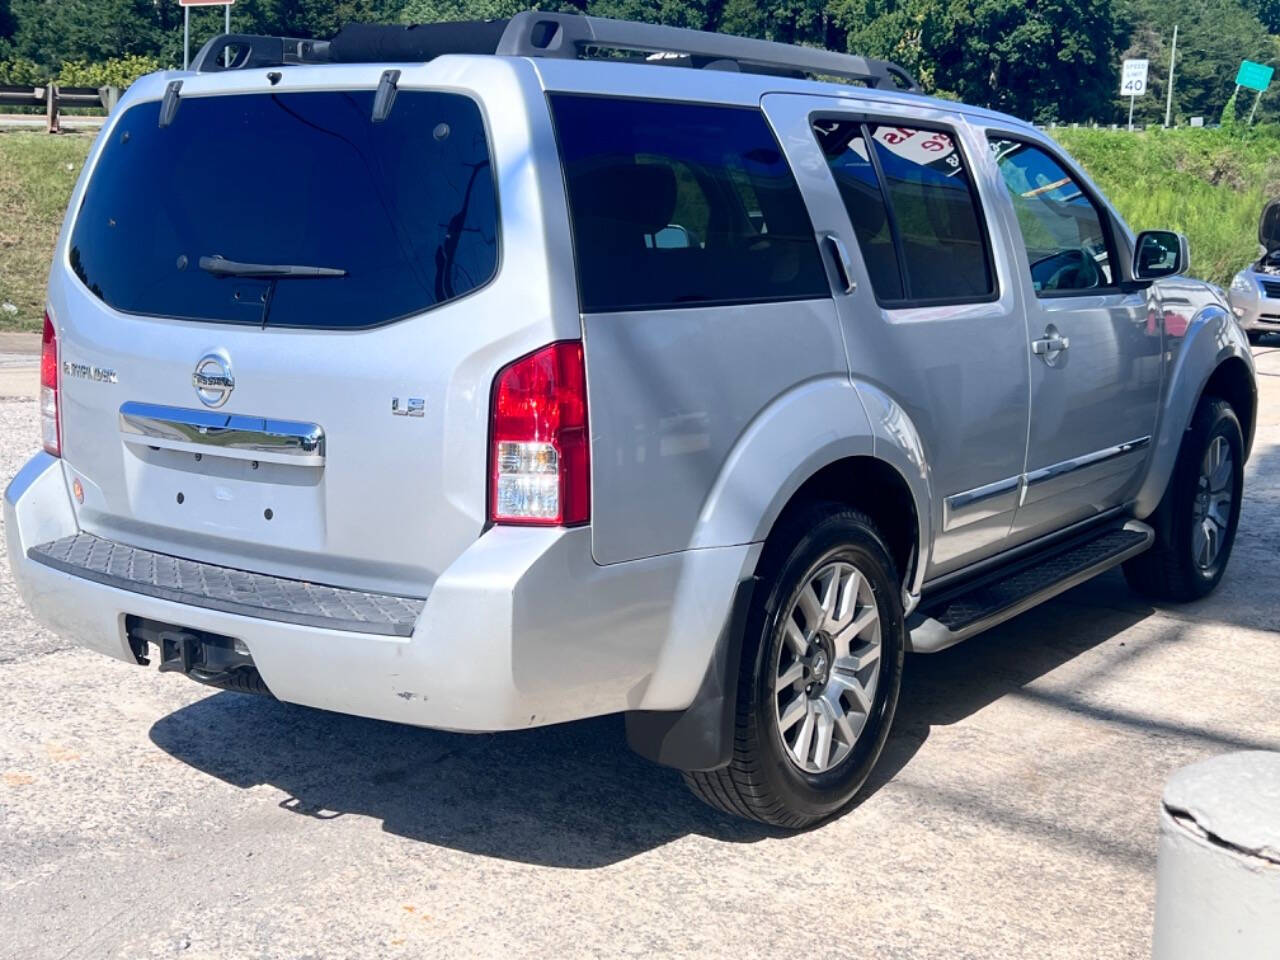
point(558, 35)
point(242, 51)
point(568, 35)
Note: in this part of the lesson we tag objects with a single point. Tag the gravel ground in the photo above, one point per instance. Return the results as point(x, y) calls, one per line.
point(1014, 814)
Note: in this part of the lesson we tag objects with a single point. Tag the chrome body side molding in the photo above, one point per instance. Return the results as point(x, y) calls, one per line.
point(989, 500)
point(1055, 470)
point(1002, 496)
point(222, 434)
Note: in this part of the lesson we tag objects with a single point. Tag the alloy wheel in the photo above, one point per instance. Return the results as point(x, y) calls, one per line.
point(1213, 503)
point(828, 667)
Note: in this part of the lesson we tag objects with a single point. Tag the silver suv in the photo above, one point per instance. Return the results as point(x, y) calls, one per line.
point(460, 377)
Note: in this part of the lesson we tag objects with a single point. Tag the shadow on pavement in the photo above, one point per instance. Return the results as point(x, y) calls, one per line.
point(943, 688)
point(574, 795)
point(571, 795)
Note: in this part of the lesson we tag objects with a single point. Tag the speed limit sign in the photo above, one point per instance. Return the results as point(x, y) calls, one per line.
point(1133, 78)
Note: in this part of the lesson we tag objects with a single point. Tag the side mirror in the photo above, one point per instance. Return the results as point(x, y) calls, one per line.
point(1160, 253)
point(672, 237)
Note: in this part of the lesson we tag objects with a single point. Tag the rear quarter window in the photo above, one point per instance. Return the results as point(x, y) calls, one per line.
point(405, 209)
point(681, 205)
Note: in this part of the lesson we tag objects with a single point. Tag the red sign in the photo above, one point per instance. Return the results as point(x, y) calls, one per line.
point(205, 3)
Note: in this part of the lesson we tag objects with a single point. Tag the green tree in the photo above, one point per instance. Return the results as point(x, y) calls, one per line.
point(288, 18)
point(1039, 60)
point(7, 26)
point(904, 31)
point(788, 21)
point(1213, 37)
point(51, 31)
point(1268, 12)
point(696, 14)
point(1229, 113)
point(434, 11)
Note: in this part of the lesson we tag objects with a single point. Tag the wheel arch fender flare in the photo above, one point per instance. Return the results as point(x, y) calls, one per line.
point(1213, 347)
point(810, 427)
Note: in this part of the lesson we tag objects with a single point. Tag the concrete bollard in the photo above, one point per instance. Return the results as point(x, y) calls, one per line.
point(1218, 870)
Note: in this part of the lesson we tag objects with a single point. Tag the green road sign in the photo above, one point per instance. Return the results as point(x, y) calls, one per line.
point(1255, 76)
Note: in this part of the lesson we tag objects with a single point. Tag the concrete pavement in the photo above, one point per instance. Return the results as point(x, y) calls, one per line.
point(33, 121)
point(1014, 814)
point(19, 365)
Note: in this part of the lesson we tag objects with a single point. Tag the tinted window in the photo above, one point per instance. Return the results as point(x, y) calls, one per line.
point(1061, 228)
point(913, 208)
point(943, 249)
point(855, 176)
point(405, 207)
point(681, 205)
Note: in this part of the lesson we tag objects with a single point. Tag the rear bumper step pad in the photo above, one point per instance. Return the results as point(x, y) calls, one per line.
point(228, 590)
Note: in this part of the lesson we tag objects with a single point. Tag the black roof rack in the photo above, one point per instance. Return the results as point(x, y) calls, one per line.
point(248, 50)
point(555, 35)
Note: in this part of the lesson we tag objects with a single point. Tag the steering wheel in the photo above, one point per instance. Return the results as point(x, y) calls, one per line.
point(1071, 270)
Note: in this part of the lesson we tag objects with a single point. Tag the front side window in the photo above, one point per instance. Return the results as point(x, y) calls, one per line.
point(913, 208)
point(1062, 230)
point(681, 205)
point(194, 220)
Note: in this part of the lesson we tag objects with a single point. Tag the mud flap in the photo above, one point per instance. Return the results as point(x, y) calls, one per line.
point(700, 737)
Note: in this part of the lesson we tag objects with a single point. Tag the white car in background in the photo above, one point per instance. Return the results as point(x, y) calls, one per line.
point(1255, 290)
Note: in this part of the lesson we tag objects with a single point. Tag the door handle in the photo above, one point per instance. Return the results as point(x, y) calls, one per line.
point(1048, 346)
point(840, 258)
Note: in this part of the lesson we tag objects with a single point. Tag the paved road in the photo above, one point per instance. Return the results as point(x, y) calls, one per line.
point(24, 121)
point(19, 366)
point(1014, 815)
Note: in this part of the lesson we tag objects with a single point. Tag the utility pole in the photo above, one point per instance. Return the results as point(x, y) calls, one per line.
point(1168, 97)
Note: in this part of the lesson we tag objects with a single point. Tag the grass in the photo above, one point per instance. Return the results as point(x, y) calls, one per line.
point(1209, 184)
point(37, 172)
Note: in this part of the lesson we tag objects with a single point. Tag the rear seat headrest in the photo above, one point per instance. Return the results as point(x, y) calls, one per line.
point(641, 195)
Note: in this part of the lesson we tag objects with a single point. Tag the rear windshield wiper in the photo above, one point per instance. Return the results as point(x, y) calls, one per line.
point(222, 267)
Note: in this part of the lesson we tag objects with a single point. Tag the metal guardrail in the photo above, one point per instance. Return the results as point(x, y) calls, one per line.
point(54, 98)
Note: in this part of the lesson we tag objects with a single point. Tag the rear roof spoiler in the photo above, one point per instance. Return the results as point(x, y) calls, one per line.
point(550, 35)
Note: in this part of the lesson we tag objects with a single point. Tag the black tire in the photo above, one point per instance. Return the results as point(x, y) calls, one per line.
point(1255, 336)
point(1169, 571)
point(761, 782)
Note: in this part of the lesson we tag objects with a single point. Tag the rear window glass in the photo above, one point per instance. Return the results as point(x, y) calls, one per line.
point(401, 213)
point(682, 205)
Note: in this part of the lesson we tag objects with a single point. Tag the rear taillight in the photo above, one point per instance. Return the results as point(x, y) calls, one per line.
point(540, 462)
point(50, 422)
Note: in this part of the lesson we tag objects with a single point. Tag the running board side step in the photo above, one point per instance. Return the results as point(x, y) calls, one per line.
point(958, 616)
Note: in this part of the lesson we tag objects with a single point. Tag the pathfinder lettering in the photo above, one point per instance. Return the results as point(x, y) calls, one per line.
point(83, 371)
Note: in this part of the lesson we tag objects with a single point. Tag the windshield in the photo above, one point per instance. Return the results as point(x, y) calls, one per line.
point(401, 213)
